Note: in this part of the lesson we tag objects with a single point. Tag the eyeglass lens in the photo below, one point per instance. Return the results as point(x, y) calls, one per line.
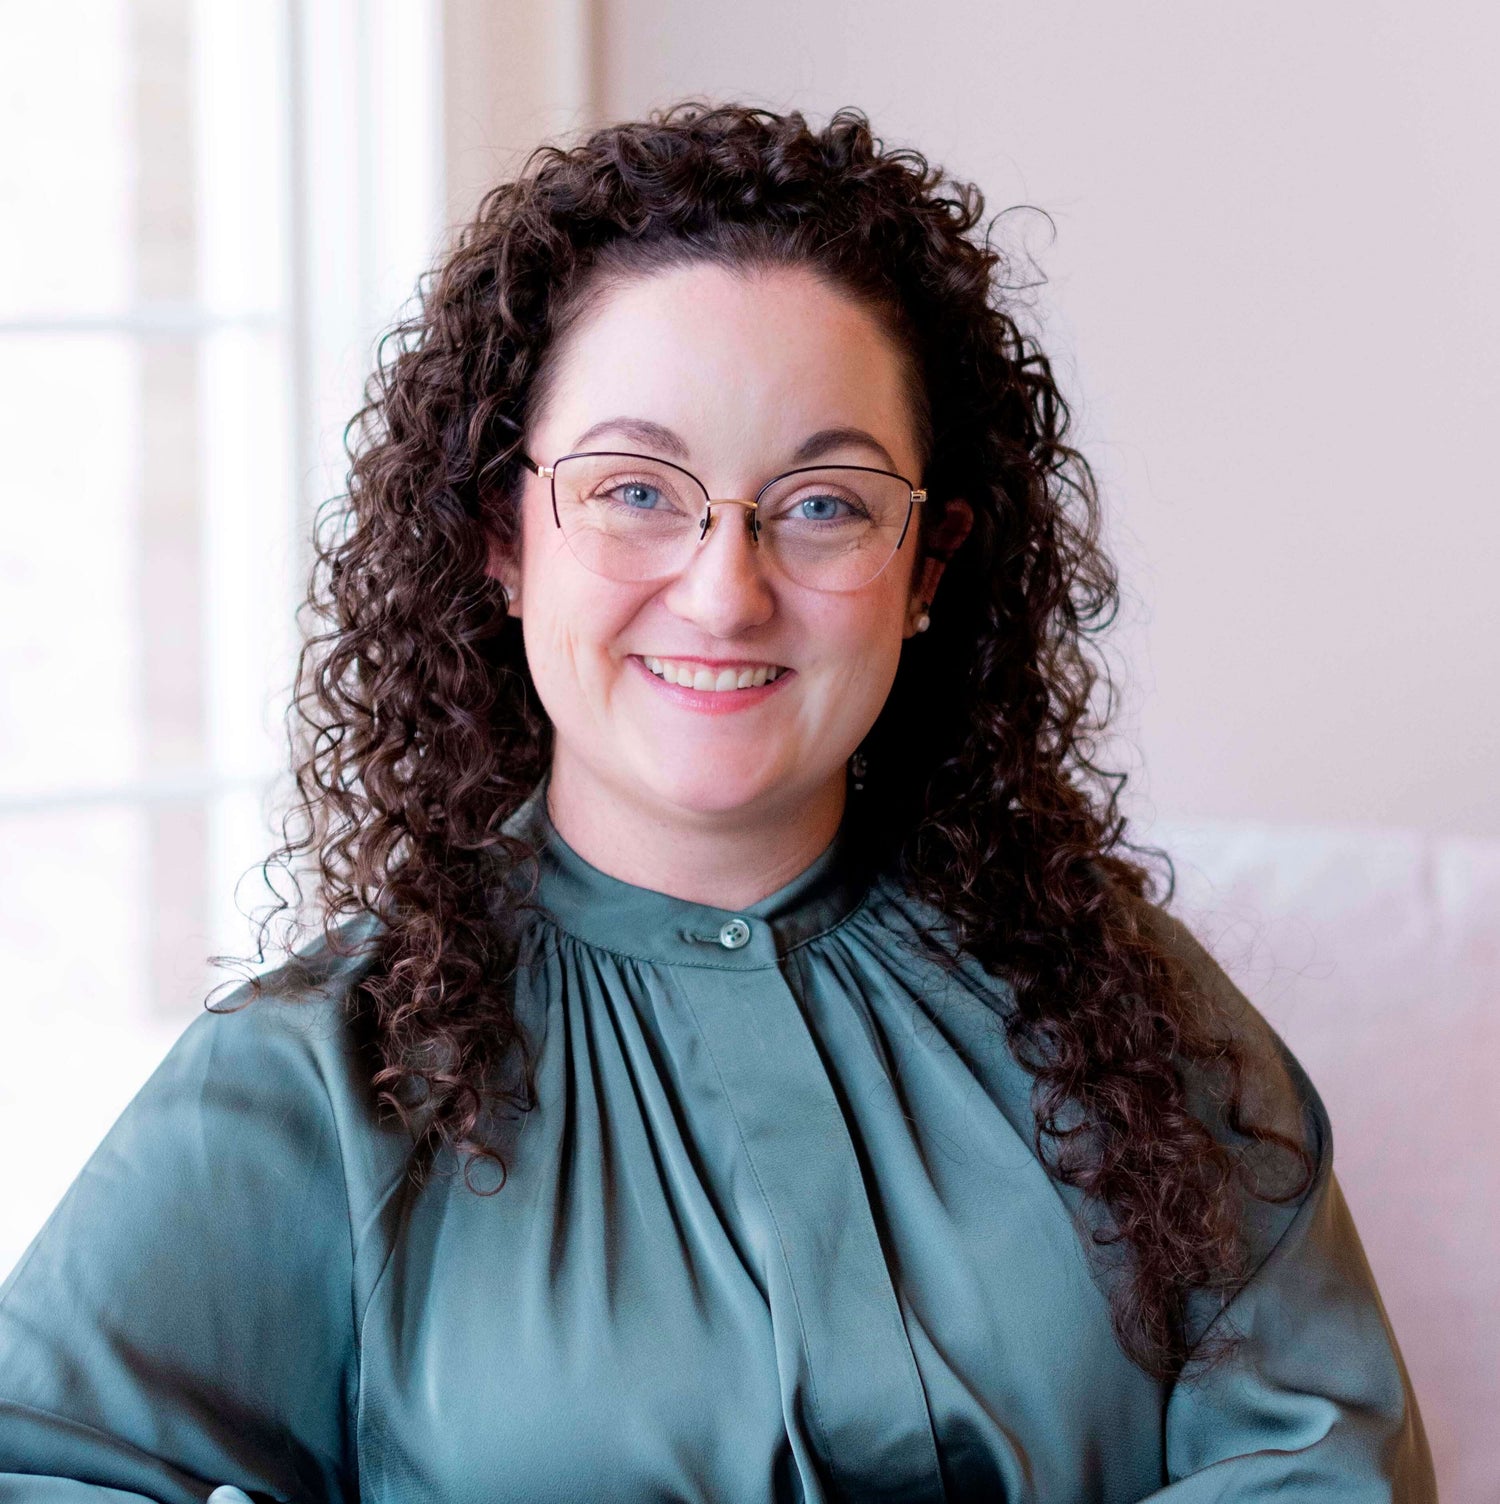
point(631, 518)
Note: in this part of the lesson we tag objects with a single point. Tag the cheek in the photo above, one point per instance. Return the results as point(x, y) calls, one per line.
point(864, 651)
point(571, 623)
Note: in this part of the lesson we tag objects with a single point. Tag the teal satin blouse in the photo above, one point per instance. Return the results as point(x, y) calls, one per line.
point(775, 1231)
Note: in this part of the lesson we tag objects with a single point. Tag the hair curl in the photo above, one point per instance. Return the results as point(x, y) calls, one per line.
point(418, 731)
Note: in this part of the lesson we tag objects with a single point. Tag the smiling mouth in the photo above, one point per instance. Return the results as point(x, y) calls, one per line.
point(714, 680)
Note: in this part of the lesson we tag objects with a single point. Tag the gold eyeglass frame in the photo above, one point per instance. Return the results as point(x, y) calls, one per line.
point(915, 498)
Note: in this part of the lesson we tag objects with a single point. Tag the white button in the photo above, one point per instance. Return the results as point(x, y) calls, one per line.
point(734, 934)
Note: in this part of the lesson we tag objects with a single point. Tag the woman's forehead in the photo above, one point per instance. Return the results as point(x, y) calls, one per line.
point(720, 356)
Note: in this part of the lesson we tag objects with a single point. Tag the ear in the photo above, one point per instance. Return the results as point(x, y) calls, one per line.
point(958, 518)
point(502, 567)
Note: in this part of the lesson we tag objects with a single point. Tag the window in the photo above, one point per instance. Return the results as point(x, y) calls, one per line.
point(213, 211)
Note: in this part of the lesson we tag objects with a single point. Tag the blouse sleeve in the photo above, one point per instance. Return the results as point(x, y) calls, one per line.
point(1315, 1403)
point(185, 1320)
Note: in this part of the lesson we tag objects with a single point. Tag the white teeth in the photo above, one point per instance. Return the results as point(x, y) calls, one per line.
point(716, 681)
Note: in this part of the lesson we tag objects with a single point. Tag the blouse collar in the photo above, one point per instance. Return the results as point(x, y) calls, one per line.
point(640, 922)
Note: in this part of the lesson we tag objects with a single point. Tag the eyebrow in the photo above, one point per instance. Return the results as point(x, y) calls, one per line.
point(657, 436)
point(827, 439)
point(639, 431)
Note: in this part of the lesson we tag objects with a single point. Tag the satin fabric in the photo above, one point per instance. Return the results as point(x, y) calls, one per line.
point(774, 1231)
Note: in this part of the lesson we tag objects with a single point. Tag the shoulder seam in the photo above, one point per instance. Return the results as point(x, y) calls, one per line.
point(1315, 1114)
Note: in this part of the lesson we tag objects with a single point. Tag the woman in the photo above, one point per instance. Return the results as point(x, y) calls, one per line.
point(741, 1062)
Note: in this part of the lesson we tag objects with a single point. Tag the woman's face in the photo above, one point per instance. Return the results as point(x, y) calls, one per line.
point(736, 371)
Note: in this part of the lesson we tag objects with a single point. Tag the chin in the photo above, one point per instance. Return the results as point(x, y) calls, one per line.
point(709, 788)
point(714, 797)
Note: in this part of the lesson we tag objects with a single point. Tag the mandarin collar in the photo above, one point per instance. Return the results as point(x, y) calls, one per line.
point(648, 925)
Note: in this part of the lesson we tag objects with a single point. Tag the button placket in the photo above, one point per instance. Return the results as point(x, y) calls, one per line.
point(840, 1332)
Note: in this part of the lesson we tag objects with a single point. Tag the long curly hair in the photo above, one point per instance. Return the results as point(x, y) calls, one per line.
point(417, 729)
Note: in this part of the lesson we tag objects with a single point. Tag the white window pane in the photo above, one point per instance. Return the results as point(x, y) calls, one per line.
point(72, 916)
point(240, 107)
point(249, 521)
point(69, 576)
point(65, 175)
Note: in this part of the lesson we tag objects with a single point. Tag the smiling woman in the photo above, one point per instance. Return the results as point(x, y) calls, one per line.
point(697, 775)
point(625, 559)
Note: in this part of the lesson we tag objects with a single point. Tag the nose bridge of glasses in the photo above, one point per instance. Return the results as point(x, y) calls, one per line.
point(750, 505)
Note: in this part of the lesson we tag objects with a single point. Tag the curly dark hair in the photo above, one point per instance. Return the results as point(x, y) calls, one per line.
point(418, 730)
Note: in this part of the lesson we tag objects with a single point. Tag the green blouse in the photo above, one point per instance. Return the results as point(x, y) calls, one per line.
point(774, 1231)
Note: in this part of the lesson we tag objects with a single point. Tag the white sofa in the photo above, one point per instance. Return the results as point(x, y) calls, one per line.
point(1376, 956)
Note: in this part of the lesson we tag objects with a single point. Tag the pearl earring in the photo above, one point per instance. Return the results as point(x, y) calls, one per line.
point(923, 622)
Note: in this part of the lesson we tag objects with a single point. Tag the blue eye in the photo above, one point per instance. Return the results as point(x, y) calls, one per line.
point(638, 496)
point(825, 506)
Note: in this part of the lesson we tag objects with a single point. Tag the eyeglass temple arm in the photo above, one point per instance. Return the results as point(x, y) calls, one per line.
point(545, 471)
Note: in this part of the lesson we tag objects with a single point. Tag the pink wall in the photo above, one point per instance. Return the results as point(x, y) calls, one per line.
point(1272, 291)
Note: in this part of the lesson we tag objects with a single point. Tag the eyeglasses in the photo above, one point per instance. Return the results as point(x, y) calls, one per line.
point(632, 518)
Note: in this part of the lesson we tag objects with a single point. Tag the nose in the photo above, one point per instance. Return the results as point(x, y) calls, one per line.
point(724, 589)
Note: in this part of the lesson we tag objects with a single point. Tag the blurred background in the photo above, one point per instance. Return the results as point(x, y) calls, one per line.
point(1265, 272)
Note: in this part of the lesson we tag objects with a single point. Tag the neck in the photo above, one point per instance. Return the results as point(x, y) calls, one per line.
point(726, 859)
